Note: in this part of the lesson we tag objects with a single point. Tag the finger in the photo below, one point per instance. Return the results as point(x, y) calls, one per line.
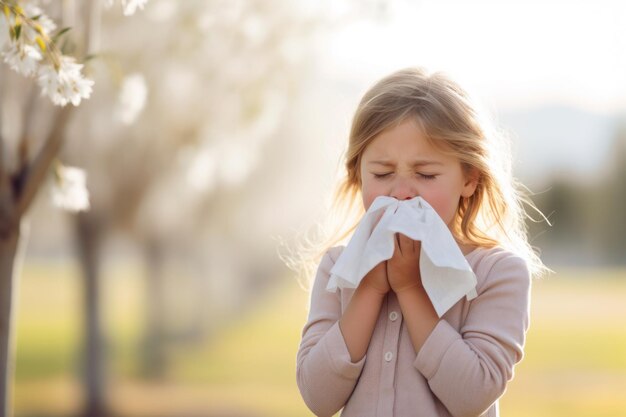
point(406, 243)
point(396, 244)
point(380, 267)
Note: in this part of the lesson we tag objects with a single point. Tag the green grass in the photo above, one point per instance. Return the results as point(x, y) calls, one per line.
point(48, 319)
point(575, 363)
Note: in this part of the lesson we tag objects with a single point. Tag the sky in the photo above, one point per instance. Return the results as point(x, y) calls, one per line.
point(510, 53)
point(563, 63)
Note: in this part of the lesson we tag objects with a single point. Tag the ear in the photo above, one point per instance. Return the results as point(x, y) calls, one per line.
point(471, 182)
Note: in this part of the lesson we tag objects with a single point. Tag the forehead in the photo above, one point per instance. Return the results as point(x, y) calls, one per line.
point(404, 140)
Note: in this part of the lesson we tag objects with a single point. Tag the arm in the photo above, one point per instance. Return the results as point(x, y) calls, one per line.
point(325, 370)
point(468, 371)
point(419, 314)
point(359, 320)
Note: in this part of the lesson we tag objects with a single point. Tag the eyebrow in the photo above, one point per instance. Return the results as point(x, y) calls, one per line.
point(416, 163)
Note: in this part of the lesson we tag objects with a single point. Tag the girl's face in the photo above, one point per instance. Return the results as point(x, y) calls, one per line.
point(400, 163)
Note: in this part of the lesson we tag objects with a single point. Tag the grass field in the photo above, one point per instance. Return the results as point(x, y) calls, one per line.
point(575, 362)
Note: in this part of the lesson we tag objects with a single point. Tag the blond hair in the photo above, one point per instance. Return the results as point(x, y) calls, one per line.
point(494, 214)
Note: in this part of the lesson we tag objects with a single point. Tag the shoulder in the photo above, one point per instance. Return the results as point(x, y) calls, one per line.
point(329, 259)
point(322, 275)
point(334, 252)
point(498, 265)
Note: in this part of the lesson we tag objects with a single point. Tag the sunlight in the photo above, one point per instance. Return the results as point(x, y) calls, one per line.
point(516, 54)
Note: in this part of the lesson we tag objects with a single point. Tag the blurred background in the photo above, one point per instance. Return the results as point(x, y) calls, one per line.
point(215, 132)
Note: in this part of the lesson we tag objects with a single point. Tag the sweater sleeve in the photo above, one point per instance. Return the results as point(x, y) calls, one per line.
point(468, 371)
point(325, 374)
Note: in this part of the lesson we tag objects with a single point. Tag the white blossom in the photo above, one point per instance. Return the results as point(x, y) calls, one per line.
point(131, 6)
point(22, 58)
point(65, 85)
point(47, 25)
point(132, 98)
point(236, 160)
point(69, 191)
point(58, 76)
point(201, 170)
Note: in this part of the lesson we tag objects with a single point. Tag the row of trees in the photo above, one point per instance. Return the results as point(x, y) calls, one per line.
point(183, 101)
point(587, 217)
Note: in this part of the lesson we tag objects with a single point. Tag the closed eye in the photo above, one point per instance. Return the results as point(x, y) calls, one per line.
point(382, 175)
point(427, 176)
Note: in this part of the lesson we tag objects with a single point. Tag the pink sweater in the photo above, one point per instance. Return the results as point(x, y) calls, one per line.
point(461, 370)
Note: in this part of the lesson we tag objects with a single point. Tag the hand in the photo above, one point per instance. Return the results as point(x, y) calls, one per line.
point(403, 269)
point(376, 280)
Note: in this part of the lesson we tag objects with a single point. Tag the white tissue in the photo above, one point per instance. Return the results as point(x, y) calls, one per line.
point(446, 275)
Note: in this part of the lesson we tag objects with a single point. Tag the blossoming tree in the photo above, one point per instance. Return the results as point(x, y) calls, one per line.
point(214, 147)
point(31, 44)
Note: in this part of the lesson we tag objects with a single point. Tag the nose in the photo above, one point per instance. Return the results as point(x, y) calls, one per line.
point(403, 189)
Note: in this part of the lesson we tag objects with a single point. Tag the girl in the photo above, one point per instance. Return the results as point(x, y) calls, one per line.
point(380, 349)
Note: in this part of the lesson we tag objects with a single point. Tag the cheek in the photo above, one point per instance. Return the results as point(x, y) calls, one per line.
point(369, 193)
point(368, 197)
point(444, 204)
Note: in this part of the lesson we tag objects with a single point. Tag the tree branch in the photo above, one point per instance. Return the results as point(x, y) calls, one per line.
point(29, 116)
point(34, 174)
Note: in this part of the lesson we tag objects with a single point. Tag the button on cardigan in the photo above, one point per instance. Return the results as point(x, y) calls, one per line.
point(461, 370)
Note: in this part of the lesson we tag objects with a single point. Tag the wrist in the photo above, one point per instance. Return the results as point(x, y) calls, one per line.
point(371, 291)
point(415, 295)
point(410, 289)
point(419, 314)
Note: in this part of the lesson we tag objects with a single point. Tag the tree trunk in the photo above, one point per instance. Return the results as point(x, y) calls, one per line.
point(89, 237)
point(154, 359)
point(9, 260)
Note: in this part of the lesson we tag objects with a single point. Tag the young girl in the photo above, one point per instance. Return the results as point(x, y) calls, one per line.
point(380, 349)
